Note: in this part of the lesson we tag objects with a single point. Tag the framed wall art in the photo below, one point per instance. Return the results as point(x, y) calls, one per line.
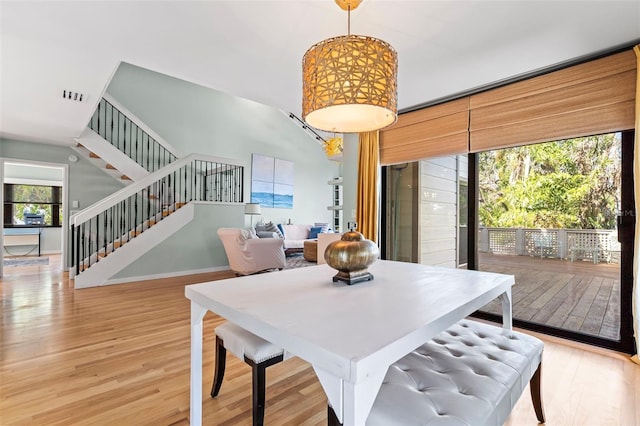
point(272, 182)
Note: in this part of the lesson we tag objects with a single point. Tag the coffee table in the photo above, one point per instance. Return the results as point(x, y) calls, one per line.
point(310, 250)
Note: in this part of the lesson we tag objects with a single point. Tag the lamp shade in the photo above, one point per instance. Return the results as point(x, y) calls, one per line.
point(350, 84)
point(252, 208)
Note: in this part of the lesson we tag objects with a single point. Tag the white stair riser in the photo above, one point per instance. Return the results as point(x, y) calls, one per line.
point(111, 155)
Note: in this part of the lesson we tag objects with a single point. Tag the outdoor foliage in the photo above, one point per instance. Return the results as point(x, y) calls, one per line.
point(566, 184)
point(32, 199)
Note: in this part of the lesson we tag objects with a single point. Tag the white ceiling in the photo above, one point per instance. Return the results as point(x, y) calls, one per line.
point(254, 49)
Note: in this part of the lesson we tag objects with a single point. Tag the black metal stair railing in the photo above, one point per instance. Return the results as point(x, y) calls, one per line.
point(135, 209)
point(124, 134)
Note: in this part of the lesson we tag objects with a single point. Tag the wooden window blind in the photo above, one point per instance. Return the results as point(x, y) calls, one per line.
point(586, 99)
point(431, 132)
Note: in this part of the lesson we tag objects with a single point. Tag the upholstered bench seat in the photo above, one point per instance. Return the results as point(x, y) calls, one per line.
point(470, 374)
point(253, 350)
point(246, 345)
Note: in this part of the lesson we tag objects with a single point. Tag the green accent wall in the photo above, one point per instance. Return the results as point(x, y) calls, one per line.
point(196, 119)
point(196, 247)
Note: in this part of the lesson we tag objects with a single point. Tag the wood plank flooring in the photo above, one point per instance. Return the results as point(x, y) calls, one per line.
point(120, 355)
point(577, 296)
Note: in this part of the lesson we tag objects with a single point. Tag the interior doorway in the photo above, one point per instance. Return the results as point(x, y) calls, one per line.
point(35, 215)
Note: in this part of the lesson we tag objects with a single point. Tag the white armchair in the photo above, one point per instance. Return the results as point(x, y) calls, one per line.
point(248, 255)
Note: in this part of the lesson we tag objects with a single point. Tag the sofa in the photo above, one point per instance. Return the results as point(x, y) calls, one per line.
point(294, 235)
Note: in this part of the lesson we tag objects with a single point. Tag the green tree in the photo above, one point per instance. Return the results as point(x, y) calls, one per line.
point(32, 199)
point(571, 183)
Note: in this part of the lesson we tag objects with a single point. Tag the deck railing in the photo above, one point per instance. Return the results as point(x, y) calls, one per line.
point(595, 245)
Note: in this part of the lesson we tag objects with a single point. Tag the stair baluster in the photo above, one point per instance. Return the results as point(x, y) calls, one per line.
point(102, 228)
point(119, 133)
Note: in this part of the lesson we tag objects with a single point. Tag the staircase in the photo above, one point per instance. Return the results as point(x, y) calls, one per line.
point(119, 144)
point(156, 202)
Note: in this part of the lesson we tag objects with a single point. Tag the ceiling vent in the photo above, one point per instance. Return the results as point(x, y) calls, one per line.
point(72, 96)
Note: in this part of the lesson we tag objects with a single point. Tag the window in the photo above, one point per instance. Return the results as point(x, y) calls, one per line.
point(32, 205)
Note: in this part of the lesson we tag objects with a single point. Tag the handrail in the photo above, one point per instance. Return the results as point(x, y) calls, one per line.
point(141, 124)
point(136, 141)
point(104, 226)
point(134, 188)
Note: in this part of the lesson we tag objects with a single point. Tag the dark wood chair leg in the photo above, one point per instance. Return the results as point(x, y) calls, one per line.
point(259, 384)
point(258, 394)
point(221, 359)
point(536, 393)
point(332, 419)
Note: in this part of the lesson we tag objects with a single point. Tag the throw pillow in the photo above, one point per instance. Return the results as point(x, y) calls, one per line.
point(271, 227)
point(314, 231)
point(267, 234)
point(248, 234)
point(323, 225)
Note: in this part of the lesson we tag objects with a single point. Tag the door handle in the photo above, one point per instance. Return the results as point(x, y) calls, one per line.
point(625, 222)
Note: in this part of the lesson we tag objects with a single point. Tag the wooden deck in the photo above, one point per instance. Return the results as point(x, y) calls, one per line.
point(578, 296)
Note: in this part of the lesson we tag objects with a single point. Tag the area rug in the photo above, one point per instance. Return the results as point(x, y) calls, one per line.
point(26, 261)
point(297, 261)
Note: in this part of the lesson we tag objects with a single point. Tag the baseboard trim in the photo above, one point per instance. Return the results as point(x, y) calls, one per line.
point(165, 275)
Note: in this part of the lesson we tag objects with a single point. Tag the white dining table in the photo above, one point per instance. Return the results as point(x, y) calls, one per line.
point(349, 334)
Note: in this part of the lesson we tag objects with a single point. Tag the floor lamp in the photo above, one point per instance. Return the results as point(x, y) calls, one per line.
point(252, 209)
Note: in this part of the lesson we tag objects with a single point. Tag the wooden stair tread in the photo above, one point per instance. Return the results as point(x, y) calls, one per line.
point(93, 155)
point(125, 177)
point(110, 167)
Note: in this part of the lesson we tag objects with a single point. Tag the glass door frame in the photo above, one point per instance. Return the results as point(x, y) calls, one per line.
point(626, 234)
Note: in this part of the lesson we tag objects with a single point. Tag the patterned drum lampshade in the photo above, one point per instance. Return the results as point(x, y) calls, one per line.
point(349, 83)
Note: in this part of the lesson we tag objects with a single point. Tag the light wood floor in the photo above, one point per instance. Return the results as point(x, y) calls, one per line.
point(120, 355)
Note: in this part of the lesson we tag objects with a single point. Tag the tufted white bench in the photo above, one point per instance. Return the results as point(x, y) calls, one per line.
point(470, 374)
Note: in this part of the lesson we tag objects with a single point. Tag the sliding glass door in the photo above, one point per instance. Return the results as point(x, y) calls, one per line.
point(557, 216)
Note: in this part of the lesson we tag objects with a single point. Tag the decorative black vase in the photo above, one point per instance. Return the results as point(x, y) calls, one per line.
point(351, 256)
